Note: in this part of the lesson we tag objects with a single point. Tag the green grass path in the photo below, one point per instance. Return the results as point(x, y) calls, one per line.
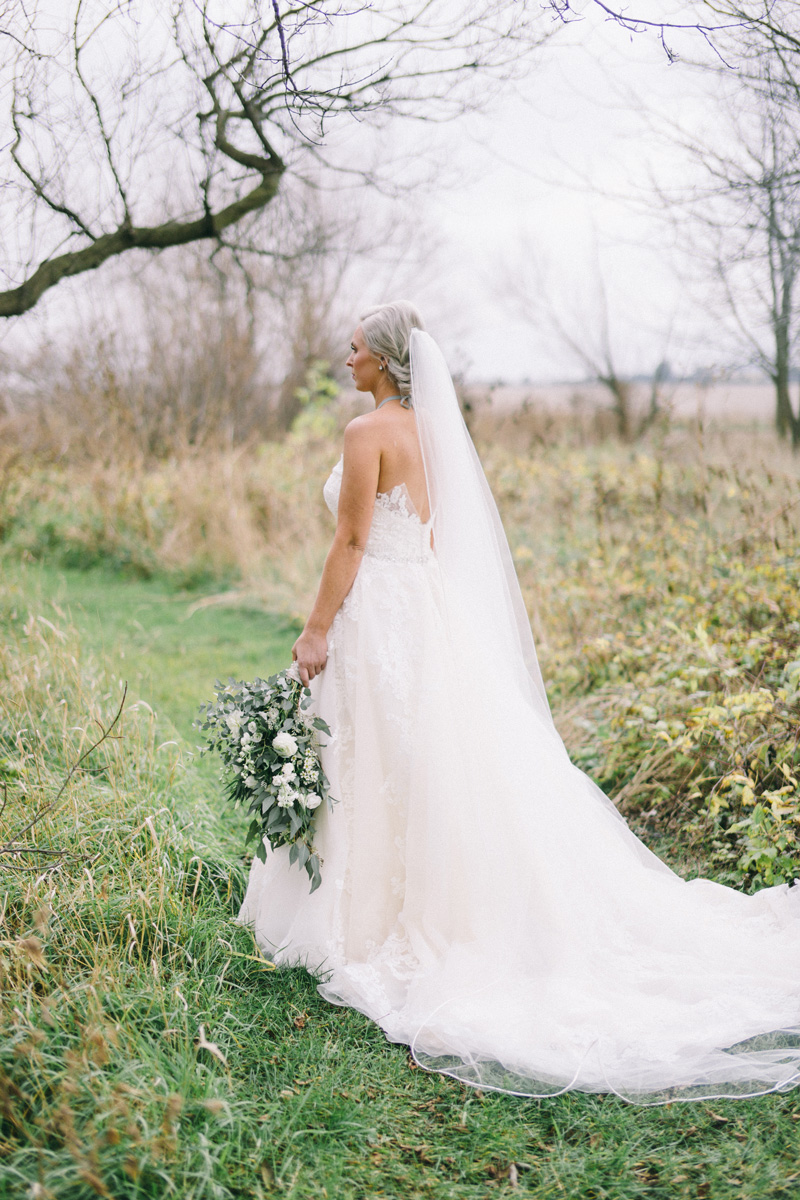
point(311, 1100)
point(170, 646)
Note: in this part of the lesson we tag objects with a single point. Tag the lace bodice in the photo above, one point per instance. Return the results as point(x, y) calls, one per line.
point(396, 533)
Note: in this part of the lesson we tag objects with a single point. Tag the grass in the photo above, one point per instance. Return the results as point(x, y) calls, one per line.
point(109, 1087)
point(146, 1049)
point(170, 645)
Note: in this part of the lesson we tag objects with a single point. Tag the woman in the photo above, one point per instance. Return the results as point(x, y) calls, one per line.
point(481, 899)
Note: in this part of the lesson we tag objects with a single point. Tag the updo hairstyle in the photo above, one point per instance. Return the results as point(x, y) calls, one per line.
point(387, 333)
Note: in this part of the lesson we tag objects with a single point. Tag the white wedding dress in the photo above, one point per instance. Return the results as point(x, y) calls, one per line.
point(482, 900)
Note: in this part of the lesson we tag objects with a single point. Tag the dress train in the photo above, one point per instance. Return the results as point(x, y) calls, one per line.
point(484, 902)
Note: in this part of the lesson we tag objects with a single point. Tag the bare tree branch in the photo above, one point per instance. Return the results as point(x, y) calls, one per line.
point(776, 24)
point(710, 33)
point(125, 139)
point(37, 184)
point(79, 47)
point(128, 237)
point(588, 340)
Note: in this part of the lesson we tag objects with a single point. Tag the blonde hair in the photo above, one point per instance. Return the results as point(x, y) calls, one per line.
point(387, 333)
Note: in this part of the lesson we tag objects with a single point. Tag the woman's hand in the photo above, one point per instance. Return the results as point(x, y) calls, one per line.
point(310, 652)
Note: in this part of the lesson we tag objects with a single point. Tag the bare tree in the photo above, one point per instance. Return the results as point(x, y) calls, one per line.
point(180, 352)
point(588, 339)
point(773, 24)
point(141, 124)
point(744, 216)
point(716, 22)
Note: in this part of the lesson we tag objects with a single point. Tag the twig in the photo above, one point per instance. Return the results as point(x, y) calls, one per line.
point(770, 517)
point(9, 848)
point(59, 857)
point(290, 83)
point(647, 766)
point(634, 24)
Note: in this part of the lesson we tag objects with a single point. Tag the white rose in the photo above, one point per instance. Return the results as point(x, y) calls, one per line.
point(285, 744)
point(234, 720)
point(251, 781)
point(313, 800)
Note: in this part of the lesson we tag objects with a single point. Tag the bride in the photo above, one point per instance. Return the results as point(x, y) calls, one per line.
point(481, 899)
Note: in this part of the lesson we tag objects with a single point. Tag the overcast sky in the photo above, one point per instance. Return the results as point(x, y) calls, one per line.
point(556, 171)
point(551, 175)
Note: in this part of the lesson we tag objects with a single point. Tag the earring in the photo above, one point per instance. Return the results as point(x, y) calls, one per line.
point(380, 368)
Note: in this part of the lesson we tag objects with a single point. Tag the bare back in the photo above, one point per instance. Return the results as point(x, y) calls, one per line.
point(401, 456)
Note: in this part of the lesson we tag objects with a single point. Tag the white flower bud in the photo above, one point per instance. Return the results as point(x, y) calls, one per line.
point(285, 745)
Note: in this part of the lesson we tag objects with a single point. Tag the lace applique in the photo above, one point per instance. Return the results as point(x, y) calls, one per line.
point(393, 956)
point(397, 534)
point(398, 881)
point(388, 792)
point(398, 500)
point(397, 957)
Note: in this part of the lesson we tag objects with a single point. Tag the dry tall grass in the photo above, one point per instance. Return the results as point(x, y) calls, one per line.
point(572, 501)
point(198, 360)
point(661, 582)
point(114, 914)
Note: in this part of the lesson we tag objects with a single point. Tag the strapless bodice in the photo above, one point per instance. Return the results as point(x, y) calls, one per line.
point(396, 533)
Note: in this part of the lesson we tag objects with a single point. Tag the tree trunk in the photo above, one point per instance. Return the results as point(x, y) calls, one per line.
point(780, 378)
point(621, 394)
point(787, 422)
point(783, 404)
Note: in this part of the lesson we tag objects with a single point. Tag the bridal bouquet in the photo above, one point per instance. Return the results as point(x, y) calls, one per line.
point(267, 738)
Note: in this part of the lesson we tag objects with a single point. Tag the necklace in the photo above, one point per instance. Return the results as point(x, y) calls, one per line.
point(405, 401)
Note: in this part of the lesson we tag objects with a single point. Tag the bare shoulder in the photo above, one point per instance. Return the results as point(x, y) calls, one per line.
point(361, 426)
point(362, 446)
point(362, 433)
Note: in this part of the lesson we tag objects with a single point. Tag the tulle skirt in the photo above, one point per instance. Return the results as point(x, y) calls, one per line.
point(484, 902)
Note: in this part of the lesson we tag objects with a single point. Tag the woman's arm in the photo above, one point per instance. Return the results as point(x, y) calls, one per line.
point(360, 473)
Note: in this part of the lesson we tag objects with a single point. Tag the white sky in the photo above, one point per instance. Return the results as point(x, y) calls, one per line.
point(557, 171)
point(550, 171)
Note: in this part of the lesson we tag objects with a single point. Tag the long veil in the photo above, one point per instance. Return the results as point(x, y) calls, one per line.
point(471, 544)
point(580, 959)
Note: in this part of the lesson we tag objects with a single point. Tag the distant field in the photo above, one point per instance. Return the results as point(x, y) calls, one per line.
point(734, 401)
